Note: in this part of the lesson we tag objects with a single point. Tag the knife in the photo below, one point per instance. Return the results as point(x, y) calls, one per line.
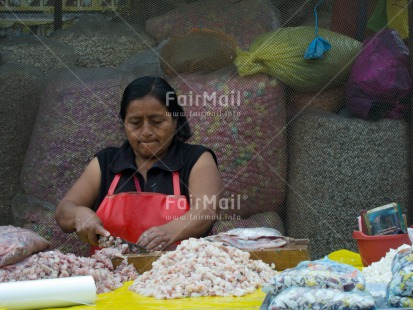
point(134, 248)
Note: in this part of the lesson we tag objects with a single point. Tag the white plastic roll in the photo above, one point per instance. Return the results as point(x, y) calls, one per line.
point(48, 293)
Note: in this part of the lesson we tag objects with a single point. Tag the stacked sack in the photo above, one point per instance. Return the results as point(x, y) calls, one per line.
point(20, 89)
point(77, 117)
point(98, 42)
point(319, 284)
point(400, 288)
point(243, 19)
point(43, 53)
point(335, 164)
point(234, 116)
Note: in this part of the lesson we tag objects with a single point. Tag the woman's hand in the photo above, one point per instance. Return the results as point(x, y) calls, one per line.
point(74, 212)
point(156, 238)
point(88, 225)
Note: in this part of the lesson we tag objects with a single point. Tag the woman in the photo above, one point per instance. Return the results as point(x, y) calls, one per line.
point(133, 192)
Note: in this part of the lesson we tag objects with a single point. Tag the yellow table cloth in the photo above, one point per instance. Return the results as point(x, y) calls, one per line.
point(125, 299)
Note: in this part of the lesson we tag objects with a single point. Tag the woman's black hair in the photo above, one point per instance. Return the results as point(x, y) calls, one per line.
point(161, 90)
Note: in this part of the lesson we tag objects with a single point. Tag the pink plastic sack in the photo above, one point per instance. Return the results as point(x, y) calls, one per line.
point(380, 78)
point(242, 119)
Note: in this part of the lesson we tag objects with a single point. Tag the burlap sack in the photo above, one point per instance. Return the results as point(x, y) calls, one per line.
point(78, 116)
point(145, 63)
point(98, 42)
point(337, 167)
point(20, 89)
point(242, 119)
point(44, 53)
point(244, 19)
point(200, 50)
point(329, 100)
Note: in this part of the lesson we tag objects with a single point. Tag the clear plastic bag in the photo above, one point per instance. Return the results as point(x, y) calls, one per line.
point(322, 273)
point(320, 298)
point(17, 243)
point(400, 289)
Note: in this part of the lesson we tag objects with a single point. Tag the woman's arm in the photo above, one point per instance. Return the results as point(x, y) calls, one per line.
point(205, 187)
point(74, 212)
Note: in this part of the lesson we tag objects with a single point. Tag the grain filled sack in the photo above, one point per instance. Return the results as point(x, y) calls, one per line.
point(144, 63)
point(337, 167)
point(39, 216)
point(280, 53)
point(20, 89)
point(98, 42)
point(77, 117)
point(44, 53)
point(244, 19)
point(242, 120)
point(330, 100)
point(200, 50)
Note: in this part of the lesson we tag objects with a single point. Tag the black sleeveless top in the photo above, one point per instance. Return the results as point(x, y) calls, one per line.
point(180, 157)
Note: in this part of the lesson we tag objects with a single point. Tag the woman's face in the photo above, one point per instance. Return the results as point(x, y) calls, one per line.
point(149, 127)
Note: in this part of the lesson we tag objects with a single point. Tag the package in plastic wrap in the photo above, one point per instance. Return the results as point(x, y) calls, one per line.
point(403, 257)
point(17, 243)
point(322, 273)
point(400, 288)
point(319, 298)
point(400, 301)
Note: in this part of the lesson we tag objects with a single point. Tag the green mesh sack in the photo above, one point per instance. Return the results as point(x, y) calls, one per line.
point(280, 53)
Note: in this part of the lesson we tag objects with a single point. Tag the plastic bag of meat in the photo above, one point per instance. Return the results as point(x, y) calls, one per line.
point(400, 288)
point(399, 301)
point(402, 257)
point(250, 239)
point(17, 243)
point(322, 273)
point(319, 298)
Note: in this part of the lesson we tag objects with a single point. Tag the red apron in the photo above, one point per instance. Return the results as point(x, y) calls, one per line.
point(128, 215)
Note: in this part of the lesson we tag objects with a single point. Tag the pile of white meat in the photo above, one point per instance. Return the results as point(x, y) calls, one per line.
point(203, 268)
point(380, 271)
point(54, 264)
